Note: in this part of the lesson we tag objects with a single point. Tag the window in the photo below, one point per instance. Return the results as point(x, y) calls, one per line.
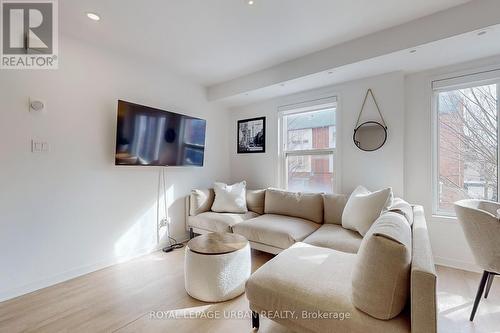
point(308, 147)
point(467, 144)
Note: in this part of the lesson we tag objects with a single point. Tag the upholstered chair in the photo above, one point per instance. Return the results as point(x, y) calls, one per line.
point(481, 226)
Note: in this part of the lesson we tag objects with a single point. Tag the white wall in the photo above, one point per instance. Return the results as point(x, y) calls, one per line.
point(72, 211)
point(373, 169)
point(448, 242)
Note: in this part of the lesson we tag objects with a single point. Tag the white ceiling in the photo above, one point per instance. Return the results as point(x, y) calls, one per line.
point(212, 41)
point(456, 49)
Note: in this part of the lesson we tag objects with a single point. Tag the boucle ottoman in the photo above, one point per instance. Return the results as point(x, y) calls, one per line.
point(216, 266)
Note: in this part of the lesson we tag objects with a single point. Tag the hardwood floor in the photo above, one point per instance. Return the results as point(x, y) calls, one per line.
point(139, 295)
point(456, 293)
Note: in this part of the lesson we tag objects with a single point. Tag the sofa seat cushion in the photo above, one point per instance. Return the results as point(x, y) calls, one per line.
point(218, 222)
point(335, 237)
point(276, 230)
point(314, 280)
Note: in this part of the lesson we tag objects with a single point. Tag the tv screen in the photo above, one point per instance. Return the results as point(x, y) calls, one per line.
point(148, 137)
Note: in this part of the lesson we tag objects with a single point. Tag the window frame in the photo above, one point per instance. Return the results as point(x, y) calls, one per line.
point(463, 81)
point(283, 153)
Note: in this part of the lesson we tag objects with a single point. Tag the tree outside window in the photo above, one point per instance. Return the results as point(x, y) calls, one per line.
point(468, 145)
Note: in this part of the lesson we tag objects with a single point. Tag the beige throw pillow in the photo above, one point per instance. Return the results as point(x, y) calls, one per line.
point(230, 198)
point(381, 276)
point(364, 207)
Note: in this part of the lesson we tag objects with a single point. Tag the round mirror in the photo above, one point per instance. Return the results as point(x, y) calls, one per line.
point(370, 136)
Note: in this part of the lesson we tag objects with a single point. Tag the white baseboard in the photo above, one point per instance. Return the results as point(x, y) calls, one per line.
point(75, 272)
point(463, 265)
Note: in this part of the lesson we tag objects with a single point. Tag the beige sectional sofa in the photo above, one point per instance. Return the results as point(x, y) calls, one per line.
point(277, 219)
point(325, 268)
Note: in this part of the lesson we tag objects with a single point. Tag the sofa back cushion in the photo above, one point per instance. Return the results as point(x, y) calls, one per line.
point(381, 276)
point(308, 206)
point(364, 207)
point(255, 201)
point(404, 208)
point(333, 205)
point(201, 201)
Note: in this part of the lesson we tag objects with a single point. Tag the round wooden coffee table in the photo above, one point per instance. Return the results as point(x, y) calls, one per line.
point(216, 266)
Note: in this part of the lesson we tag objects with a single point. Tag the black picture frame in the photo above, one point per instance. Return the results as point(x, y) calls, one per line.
point(253, 143)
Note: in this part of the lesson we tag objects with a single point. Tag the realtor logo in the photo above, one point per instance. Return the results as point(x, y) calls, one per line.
point(28, 34)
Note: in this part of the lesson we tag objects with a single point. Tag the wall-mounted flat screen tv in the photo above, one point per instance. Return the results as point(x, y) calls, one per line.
point(151, 137)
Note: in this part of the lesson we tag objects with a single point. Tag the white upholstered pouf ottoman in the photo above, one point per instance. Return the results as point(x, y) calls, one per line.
point(216, 266)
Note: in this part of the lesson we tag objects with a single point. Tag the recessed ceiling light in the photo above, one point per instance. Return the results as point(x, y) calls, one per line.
point(93, 16)
point(413, 51)
point(480, 33)
point(250, 2)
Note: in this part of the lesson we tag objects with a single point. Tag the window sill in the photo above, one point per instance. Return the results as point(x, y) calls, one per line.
point(444, 218)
